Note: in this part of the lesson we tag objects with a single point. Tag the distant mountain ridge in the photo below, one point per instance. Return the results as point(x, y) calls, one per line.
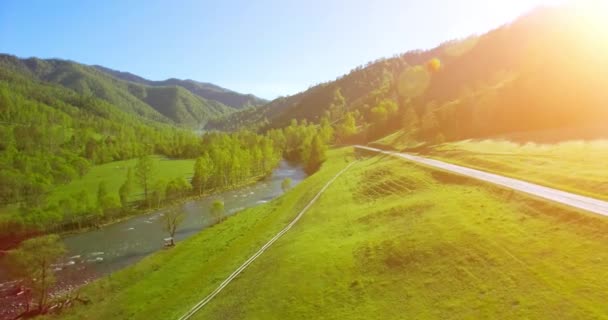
point(181, 102)
point(204, 90)
point(544, 71)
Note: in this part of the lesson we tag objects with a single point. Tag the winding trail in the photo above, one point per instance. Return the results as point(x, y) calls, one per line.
point(555, 195)
point(240, 269)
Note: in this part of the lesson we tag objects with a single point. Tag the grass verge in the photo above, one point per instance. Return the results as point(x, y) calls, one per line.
point(574, 166)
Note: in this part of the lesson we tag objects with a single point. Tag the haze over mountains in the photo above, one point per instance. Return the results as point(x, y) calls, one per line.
point(502, 82)
point(531, 66)
point(548, 62)
point(202, 89)
point(183, 102)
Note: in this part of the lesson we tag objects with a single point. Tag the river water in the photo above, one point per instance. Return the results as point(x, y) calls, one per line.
point(100, 252)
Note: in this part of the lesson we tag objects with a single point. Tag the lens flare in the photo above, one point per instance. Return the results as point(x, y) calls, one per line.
point(413, 82)
point(433, 65)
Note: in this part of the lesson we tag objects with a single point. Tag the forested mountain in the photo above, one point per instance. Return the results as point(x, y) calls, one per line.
point(169, 104)
point(51, 135)
point(545, 71)
point(509, 80)
point(183, 107)
point(54, 132)
point(204, 90)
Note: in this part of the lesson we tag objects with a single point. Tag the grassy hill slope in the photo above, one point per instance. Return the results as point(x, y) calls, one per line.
point(387, 240)
point(544, 71)
point(572, 166)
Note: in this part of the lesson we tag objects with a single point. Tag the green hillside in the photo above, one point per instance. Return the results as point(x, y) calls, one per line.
point(541, 72)
point(81, 146)
point(387, 240)
point(51, 135)
point(163, 104)
point(206, 91)
point(182, 106)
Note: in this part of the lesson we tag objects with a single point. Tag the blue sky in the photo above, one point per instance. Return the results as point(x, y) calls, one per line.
point(265, 47)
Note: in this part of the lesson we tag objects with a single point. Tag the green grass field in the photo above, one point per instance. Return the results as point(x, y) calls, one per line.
point(399, 140)
point(574, 166)
point(388, 240)
point(115, 173)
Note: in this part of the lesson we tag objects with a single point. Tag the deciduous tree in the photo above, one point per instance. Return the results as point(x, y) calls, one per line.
point(217, 210)
point(171, 220)
point(317, 154)
point(32, 263)
point(144, 171)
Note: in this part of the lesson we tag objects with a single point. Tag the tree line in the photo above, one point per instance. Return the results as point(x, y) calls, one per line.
point(226, 161)
point(222, 161)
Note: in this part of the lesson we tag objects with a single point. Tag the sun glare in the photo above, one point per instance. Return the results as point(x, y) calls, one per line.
point(592, 21)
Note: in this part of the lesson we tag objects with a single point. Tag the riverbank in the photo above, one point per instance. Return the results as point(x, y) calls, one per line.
point(180, 201)
point(9, 242)
point(100, 252)
point(198, 263)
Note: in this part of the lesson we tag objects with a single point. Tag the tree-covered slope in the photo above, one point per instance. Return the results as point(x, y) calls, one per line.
point(544, 71)
point(163, 104)
point(202, 89)
point(50, 135)
point(182, 106)
point(60, 152)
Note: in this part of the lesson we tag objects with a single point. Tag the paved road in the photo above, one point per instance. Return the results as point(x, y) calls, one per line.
point(240, 269)
point(570, 199)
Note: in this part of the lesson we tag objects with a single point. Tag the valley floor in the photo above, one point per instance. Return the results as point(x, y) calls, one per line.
point(387, 240)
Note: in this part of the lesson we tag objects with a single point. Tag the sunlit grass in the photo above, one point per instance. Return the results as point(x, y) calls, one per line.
point(388, 240)
point(392, 241)
point(575, 166)
point(168, 283)
point(399, 140)
point(115, 173)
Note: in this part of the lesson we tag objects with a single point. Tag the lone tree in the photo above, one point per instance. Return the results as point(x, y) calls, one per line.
point(286, 184)
point(171, 220)
point(202, 170)
point(217, 210)
point(317, 155)
point(144, 169)
point(126, 189)
point(31, 262)
point(105, 201)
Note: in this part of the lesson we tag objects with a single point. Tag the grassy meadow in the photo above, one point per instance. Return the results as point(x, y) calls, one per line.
point(574, 166)
point(398, 140)
point(115, 173)
point(388, 240)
